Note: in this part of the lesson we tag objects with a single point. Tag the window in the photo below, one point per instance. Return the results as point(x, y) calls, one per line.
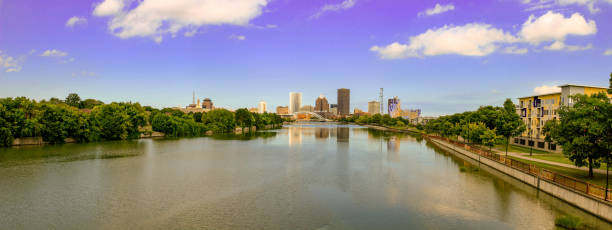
point(516, 140)
point(552, 146)
point(522, 141)
point(531, 143)
point(540, 144)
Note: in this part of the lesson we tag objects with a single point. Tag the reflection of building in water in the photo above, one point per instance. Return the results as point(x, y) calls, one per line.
point(393, 147)
point(342, 134)
point(295, 135)
point(343, 166)
point(321, 133)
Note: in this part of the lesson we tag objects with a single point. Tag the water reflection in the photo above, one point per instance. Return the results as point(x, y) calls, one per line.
point(364, 179)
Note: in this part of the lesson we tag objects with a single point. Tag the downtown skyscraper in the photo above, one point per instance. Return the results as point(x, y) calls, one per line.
point(295, 102)
point(344, 102)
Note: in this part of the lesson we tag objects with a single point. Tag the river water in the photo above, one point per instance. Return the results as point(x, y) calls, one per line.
point(304, 176)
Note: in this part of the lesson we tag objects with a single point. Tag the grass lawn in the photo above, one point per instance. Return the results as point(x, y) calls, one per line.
point(519, 149)
point(598, 179)
point(559, 158)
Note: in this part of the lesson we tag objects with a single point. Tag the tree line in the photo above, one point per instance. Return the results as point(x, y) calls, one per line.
point(91, 120)
point(488, 126)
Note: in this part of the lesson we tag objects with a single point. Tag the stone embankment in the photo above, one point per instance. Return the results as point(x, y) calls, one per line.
point(538, 180)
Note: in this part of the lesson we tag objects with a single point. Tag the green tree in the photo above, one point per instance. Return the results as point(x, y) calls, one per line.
point(473, 132)
point(489, 138)
point(219, 120)
point(112, 121)
point(244, 118)
point(583, 130)
point(56, 121)
point(73, 100)
point(508, 123)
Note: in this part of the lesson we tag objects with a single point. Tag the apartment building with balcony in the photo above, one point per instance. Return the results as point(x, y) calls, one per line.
point(536, 110)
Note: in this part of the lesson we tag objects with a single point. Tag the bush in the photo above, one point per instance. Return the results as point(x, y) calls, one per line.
point(6, 137)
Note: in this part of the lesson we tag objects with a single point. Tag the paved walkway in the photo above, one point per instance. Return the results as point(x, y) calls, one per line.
point(522, 156)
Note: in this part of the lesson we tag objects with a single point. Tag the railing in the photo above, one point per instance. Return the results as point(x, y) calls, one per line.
point(589, 189)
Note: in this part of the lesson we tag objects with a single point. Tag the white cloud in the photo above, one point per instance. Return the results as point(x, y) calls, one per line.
point(346, 4)
point(109, 7)
point(546, 89)
point(438, 9)
point(515, 50)
point(54, 53)
point(237, 37)
point(559, 45)
point(468, 40)
point(155, 18)
point(608, 52)
point(393, 51)
point(554, 27)
point(9, 63)
point(74, 20)
point(546, 4)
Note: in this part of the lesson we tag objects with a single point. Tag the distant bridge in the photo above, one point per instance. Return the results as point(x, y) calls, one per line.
point(313, 114)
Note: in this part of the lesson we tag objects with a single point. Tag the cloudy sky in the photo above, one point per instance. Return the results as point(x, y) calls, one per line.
point(440, 56)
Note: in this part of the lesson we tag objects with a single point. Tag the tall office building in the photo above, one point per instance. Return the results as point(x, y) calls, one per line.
point(394, 107)
point(344, 102)
point(321, 104)
point(262, 107)
point(295, 102)
point(373, 107)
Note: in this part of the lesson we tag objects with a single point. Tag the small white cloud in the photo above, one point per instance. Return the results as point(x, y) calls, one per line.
point(393, 51)
point(272, 26)
point(546, 89)
point(467, 40)
point(608, 52)
point(190, 33)
point(9, 63)
point(346, 4)
point(73, 21)
point(54, 53)
point(156, 18)
point(237, 37)
point(438, 9)
point(515, 50)
point(559, 45)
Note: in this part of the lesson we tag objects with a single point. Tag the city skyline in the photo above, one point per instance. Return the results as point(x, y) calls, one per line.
point(504, 50)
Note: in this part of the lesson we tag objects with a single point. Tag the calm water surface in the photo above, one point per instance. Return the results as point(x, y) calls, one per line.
point(307, 176)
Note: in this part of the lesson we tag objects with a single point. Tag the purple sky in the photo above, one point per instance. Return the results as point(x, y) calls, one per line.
point(440, 56)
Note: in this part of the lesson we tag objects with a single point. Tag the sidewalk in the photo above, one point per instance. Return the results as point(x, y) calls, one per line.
point(521, 156)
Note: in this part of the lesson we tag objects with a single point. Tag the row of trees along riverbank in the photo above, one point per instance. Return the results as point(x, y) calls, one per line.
point(91, 120)
point(584, 130)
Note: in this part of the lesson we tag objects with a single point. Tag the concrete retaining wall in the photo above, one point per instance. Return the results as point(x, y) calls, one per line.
point(600, 208)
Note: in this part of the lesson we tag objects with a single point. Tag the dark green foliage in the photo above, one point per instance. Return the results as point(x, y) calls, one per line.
point(219, 121)
point(113, 121)
point(584, 130)
point(73, 100)
point(244, 118)
point(177, 126)
point(6, 137)
point(56, 120)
